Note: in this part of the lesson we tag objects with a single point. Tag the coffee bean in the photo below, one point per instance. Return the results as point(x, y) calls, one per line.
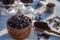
point(45, 35)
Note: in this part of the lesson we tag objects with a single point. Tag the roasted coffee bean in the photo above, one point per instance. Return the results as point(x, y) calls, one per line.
point(38, 38)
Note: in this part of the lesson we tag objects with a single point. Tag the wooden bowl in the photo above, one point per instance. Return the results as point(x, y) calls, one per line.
point(19, 33)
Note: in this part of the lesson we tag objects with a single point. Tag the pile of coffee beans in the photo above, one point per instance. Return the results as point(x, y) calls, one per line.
point(50, 5)
point(6, 2)
point(41, 25)
point(19, 21)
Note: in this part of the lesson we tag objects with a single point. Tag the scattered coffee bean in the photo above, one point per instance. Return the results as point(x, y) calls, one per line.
point(45, 35)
